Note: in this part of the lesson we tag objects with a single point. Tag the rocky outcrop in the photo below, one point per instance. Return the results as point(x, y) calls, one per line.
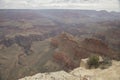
point(111, 73)
point(83, 63)
point(80, 73)
point(61, 75)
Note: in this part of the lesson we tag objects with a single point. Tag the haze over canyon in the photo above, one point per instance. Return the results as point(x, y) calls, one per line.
point(109, 5)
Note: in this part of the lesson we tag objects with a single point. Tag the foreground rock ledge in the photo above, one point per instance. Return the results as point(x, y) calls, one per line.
point(112, 73)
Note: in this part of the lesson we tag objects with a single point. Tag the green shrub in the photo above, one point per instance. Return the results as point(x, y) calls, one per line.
point(93, 61)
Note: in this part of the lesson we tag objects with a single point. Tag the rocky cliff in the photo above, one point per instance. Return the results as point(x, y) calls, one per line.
point(112, 73)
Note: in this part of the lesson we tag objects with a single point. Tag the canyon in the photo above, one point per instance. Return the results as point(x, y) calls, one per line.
point(39, 41)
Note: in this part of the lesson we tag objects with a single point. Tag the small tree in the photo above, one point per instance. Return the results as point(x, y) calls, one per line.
point(93, 61)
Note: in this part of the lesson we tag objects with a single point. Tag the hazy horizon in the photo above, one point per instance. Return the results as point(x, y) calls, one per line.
point(108, 5)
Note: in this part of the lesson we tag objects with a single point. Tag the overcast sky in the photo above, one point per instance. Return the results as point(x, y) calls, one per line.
point(110, 5)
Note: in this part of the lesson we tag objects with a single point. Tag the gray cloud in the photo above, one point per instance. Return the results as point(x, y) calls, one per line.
point(110, 5)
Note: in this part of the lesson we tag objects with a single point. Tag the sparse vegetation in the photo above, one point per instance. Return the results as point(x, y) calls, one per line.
point(93, 61)
point(105, 63)
point(107, 60)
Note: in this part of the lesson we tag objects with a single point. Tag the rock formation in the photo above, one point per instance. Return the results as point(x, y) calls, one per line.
point(112, 73)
